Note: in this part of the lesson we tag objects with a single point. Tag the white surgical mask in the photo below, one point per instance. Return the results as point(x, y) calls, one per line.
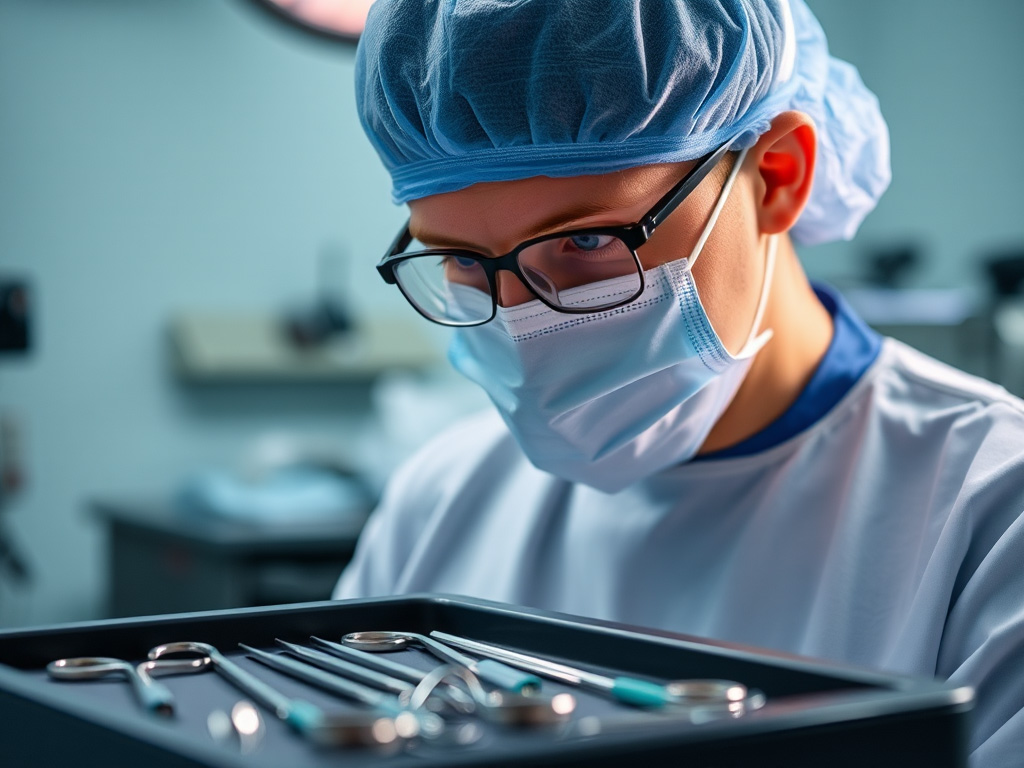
point(608, 398)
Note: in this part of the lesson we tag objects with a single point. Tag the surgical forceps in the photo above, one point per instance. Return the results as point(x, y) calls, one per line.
point(505, 707)
point(459, 699)
point(304, 717)
point(427, 723)
point(493, 672)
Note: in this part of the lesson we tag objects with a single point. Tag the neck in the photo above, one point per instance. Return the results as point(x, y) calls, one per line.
point(802, 331)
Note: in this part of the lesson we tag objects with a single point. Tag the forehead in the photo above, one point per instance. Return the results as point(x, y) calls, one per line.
point(496, 216)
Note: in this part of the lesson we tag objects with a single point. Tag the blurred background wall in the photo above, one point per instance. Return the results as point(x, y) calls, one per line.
point(159, 156)
point(948, 77)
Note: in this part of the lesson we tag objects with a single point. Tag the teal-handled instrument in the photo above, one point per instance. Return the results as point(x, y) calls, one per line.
point(154, 696)
point(627, 690)
point(307, 719)
point(489, 670)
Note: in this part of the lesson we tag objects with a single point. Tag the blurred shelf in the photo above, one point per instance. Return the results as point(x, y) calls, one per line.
point(252, 347)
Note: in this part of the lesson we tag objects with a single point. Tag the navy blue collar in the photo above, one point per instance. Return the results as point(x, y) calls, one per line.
point(853, 349)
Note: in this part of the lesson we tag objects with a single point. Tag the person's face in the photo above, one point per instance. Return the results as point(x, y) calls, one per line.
point(494, 217)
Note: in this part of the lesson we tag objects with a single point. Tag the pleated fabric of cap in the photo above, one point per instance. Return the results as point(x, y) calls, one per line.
point(456, 92)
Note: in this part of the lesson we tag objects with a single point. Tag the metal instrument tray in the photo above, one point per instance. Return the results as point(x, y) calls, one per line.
point(816, 713)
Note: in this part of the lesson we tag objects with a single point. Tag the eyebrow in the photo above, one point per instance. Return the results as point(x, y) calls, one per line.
point(556, 222)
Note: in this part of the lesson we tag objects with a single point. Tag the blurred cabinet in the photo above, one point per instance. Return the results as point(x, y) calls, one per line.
point(163, 561)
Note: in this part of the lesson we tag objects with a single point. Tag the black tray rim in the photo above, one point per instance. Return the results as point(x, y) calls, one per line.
point(891, 695)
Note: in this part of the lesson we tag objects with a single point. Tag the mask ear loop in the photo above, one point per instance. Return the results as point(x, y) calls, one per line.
point(723, 196)
point(755, 342)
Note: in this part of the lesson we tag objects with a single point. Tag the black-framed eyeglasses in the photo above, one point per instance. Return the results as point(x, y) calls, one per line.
point(576, 271)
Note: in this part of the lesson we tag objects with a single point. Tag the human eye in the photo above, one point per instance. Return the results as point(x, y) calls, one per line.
point(588, 242)
point(459, 262)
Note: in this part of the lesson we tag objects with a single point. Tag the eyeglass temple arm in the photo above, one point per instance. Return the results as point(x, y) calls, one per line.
point(679, 192)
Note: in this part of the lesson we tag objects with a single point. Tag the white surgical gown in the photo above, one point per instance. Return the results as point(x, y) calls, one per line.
point(889, 534)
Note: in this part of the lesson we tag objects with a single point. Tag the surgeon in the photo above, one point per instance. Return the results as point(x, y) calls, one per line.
point(604, 199)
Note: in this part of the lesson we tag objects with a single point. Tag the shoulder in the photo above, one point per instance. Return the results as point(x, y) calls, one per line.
point(972, 429)
point(942, 446)
point(928, 390)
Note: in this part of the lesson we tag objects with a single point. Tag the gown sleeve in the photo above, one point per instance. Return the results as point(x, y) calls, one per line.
point(982, 643)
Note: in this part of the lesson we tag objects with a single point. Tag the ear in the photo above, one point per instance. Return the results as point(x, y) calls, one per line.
point(784, 158)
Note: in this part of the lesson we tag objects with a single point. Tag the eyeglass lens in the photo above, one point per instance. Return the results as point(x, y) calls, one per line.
point(584, 271)
point(448, 288)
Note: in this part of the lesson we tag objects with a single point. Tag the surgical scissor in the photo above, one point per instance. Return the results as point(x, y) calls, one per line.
point(154, 696)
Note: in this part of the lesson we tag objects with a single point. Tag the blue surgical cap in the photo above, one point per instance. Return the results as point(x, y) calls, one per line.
point(455, 92)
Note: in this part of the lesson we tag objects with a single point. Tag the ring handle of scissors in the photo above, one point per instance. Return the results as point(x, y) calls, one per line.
point(154, 696)
point(302, 715)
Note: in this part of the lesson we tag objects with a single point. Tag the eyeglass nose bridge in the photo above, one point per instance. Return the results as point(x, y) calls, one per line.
point(516, 287)
point(529, 283)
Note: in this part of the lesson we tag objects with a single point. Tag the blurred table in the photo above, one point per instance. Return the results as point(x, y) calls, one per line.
point(164, 561)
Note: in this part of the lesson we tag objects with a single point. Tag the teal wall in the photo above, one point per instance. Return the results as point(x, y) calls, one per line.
point(188, 153)
point(948, 76)
point(155, 156)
